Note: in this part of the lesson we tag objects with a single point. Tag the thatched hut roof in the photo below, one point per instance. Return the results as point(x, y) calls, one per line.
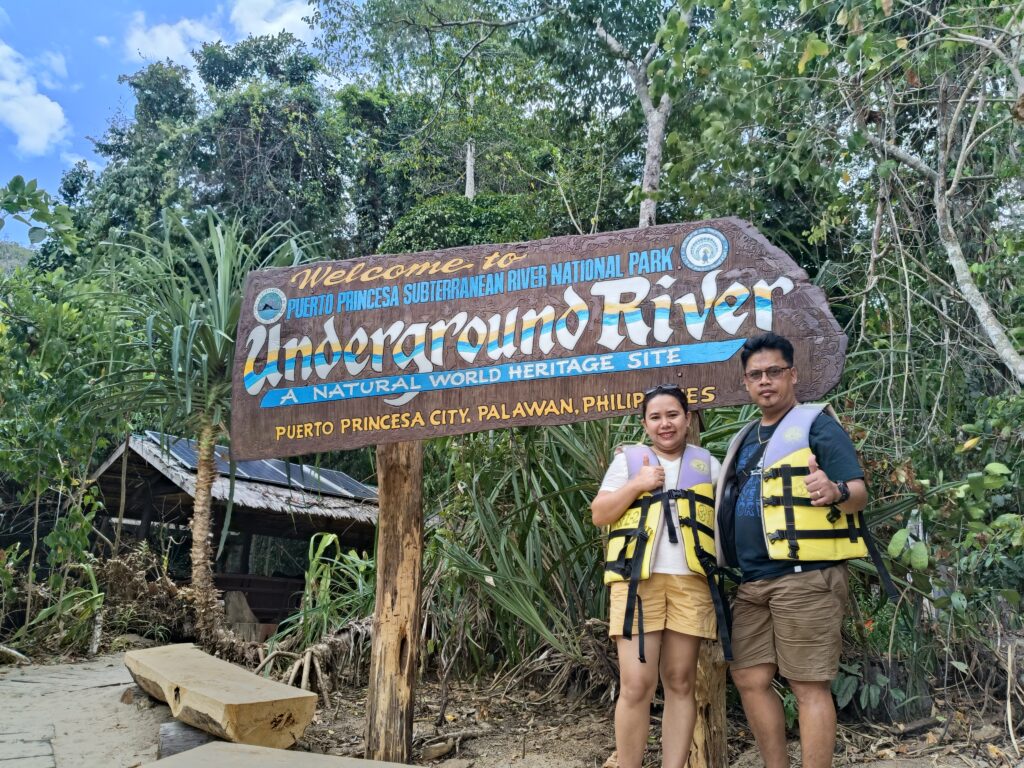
point(271, 497)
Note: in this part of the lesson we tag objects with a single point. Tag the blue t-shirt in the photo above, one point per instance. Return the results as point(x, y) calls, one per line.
point(836, 455)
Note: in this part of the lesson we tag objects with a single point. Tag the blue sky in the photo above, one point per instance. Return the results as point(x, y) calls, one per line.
point(60, 60)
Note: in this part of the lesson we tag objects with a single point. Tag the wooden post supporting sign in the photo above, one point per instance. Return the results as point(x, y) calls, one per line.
point(394, 659)
point(709, 748)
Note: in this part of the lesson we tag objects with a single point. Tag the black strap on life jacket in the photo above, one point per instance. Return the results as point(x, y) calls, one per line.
point(633, 569)
point(715, 575)
point(876, 558)
point(788, 501)
point(670, 514)
point(854, 530)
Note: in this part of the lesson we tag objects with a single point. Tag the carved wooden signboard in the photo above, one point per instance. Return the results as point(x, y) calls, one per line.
point(337, 355)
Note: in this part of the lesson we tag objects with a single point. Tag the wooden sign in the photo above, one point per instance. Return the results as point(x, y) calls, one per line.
point(338, 355)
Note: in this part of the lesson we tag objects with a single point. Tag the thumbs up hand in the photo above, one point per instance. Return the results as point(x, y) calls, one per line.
point(650, 477)
point(822, 491)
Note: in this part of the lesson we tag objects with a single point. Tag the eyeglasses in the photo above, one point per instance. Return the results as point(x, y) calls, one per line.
point(662, 388)
point(772, 373)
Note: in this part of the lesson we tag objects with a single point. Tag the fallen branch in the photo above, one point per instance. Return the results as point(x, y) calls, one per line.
point(271, 657)
point(10, 653)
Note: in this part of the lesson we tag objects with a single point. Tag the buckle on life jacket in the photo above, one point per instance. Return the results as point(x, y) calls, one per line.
point(794, 545)
point(784, 471)
point(783, 501)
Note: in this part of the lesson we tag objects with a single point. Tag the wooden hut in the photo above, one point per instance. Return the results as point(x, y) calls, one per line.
point(153, 484)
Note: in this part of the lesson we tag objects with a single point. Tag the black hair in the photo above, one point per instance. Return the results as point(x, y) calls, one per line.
point(767, 341)
point(664, 389)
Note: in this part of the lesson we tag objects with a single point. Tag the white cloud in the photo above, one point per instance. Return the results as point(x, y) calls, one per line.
point(5, 19)
point(268, 17)
point(52, 69)
point(167, 41)
point(37, 121)
point(72, 158)
point(102, 41)
point(145, 42)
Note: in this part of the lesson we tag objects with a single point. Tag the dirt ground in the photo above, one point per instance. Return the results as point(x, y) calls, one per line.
point(72, 716)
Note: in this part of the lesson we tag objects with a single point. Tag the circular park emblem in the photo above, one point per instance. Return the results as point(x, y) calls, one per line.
point(269, 305)
point(704, 249)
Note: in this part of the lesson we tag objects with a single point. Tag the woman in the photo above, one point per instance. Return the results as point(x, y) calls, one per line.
point(661, 609)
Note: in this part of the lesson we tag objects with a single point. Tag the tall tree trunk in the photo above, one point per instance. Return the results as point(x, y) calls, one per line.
point(655, 119)
point(990, 324)
point(941, 192)
point(470, 168)
point(208, 614)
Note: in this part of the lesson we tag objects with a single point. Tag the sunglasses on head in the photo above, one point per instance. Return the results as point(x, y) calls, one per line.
point(662, 388)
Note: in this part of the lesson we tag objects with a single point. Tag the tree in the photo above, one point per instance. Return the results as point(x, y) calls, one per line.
point(28, 204)
point(267, 148)
point(255, 141)
point(459, 103)
point(923, 104)
point(182, 306)
point(47, 338)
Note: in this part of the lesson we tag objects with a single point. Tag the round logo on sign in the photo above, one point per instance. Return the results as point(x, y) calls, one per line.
point(704, 249)
point(269, 305)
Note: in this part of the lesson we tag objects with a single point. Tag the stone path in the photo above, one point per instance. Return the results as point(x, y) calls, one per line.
point(71, 716)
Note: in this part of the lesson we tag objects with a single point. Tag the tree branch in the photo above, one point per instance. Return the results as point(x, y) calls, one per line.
point(910, 160)
point(638, 77)
point(967, 145)
point(988, 45)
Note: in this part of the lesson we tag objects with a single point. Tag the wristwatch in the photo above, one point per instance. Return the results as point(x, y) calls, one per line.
point(844, 492)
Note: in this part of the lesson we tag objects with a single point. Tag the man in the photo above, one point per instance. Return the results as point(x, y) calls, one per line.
point(790, 497)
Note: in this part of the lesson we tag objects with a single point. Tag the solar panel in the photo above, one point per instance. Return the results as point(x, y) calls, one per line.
point(179, 448)
point(264, 471)
point(329, 482)
point(350, 484)
point(312, 480)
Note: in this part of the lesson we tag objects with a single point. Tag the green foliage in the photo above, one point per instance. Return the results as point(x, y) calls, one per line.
point(28, 204)
point(67, 543)
point(11, 559)
point(67, 622)
point(513, 559)
point(180, 310)
point(266, 148)
point(13, 256)
point(453, 220)
point(340, 587)
point(256, 142)
point(47, 337)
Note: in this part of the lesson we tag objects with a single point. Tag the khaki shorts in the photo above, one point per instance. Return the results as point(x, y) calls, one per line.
point(793, 621)
point(670, 601)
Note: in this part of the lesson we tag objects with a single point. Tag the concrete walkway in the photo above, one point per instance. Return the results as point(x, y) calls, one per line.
point(71, 716)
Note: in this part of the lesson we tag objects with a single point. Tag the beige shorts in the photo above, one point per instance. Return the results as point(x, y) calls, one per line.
point(793, 621)
point(670, 601)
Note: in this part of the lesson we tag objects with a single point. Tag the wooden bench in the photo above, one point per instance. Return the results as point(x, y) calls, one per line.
point(221, 698)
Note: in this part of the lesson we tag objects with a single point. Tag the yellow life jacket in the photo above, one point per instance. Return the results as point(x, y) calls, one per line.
point(633, 538)
point(795, 529)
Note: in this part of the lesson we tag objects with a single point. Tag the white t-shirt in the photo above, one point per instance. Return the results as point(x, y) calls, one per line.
point(667, 557)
